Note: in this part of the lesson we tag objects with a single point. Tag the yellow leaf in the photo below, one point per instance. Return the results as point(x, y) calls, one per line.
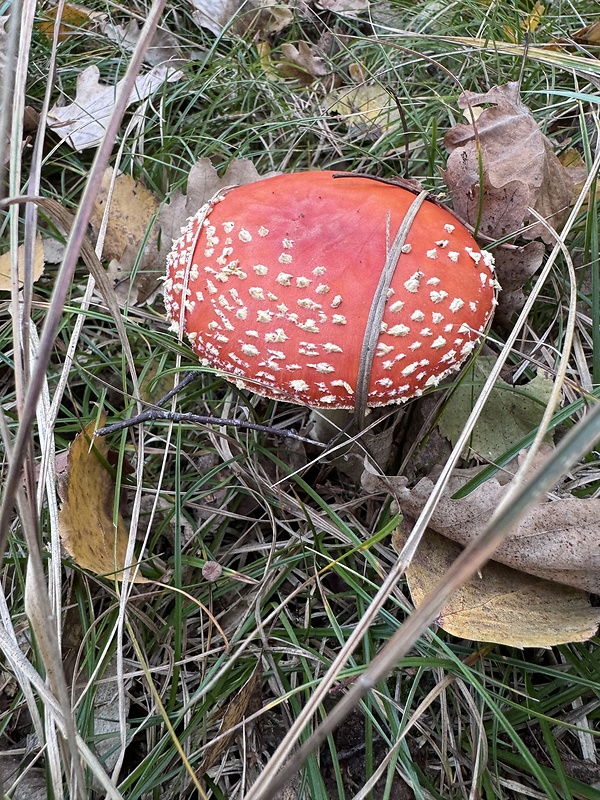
point(131, 210)
point(87, 530)
point(364, 106)
point(73, 18)
point(500, 605)
point(531, 22)
point(38, 265)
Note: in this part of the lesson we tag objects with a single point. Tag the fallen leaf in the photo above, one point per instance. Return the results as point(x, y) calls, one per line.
point(533, 19)
point(500, 604)
point(509, 414)
point(556, 540)
point(82, 123)
point(87, 492)
point(163, 47)
point(72, 19)
point(237, 17)
point(590, 35)
point(132, 207)
point(368, 106)
point(245, 702)
point(514, 267)
point(38, 265)
point(520, 168)
point(301, 63)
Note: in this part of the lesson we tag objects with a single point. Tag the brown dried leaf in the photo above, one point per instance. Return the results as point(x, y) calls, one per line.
point(38, 265)
point(87, 530)
point(237, 17)
point(82, 123)
point(131, 211)
point(520, 168)
point(590, 35)
point(500, 604)
point(132, 207)
point(301, 63)
point(73, 18)
point(514, 267)
point(246, 701)
point(556, 540)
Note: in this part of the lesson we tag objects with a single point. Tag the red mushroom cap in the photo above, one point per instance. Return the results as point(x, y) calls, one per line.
point(278, 278)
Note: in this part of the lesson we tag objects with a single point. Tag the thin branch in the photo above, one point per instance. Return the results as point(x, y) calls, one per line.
point(159, 415)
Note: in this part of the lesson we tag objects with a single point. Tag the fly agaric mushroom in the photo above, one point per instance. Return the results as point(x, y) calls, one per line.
point(272, 283)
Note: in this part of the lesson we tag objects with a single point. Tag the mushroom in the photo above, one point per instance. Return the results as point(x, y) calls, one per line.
point(273, 282)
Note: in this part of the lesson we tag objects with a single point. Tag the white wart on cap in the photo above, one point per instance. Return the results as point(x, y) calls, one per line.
point(272, 284)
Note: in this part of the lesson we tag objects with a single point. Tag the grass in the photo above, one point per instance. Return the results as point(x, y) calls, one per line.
point(303, 551)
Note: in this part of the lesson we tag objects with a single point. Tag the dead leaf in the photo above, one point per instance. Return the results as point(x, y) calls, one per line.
point(557, 540)
point(87, 530)
point(533, 19)
point(237, 17)
point(509, 414)
point(500, 604)
point(514, 267)
point(520, 168)
point(245, 702)
point(82, 123)
point(364, 107)
point(590, 35)
point(132, 207)
point(132, 210)
point(301, 63)
point(38, 265)
point(72, 19)
point(164, 46)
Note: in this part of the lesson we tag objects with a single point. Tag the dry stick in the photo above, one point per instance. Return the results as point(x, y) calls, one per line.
point(158, 414)
point(65, 275)
point(373, 327)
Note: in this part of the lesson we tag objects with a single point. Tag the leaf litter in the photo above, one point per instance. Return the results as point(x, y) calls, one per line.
point(510, 413)
point(82, 123)
point(520, 168)
point(86, 521)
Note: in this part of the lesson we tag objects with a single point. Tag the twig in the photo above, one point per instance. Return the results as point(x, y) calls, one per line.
point(158, 415)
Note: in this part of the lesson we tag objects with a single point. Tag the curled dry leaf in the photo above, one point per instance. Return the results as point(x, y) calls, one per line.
point(301, 63)
point(499, 604)
point(82, 123)
point(87, 492)
point(520, 168)
point(557, 540)
point(38, 265)
point(509, 414)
